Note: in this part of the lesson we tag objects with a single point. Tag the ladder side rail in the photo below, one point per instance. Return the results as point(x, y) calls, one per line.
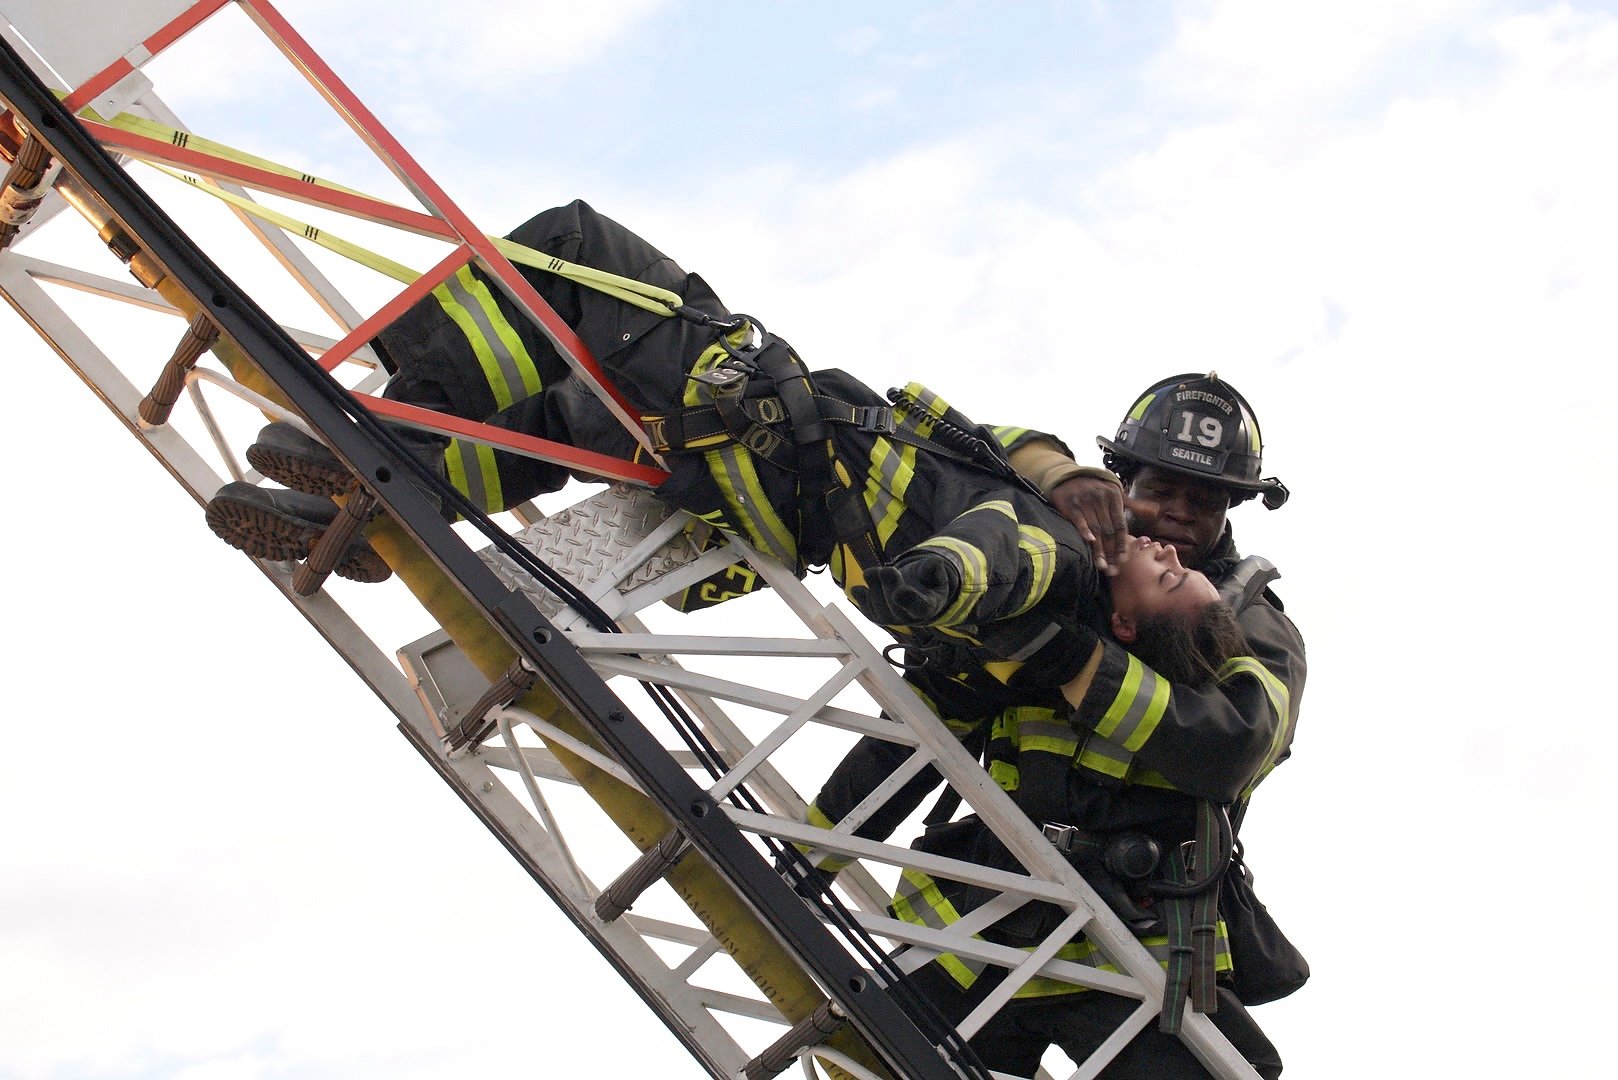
point(882, 1023)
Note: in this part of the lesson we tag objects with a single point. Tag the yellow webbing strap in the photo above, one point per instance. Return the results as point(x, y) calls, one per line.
point(648, 297)
point(140, 125)
point(330, 241)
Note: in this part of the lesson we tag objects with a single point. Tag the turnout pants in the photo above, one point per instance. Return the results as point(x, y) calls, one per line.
point(467, 350)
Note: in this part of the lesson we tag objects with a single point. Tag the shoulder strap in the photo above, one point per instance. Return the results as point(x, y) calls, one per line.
point(976, 741)
point(1244, 584)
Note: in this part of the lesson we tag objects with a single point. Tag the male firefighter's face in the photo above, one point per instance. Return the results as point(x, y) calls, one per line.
point(1176, 509)
point(1152, 582)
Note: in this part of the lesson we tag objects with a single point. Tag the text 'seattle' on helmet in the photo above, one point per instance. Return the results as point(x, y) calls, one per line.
point(1196, 425)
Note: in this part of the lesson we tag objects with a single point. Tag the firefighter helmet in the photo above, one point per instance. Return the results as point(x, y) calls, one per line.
point(1195, 425)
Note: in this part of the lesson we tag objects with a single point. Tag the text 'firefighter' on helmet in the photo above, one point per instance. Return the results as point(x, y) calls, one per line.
point(1196, 425)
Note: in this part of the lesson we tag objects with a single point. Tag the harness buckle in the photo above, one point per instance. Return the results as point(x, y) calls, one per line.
point(875, 418)
point(723, 376)
point(1065, 838)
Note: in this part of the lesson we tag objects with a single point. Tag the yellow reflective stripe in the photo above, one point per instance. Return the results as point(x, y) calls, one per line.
point(1005, 774)
point(830, 863)
point(1140, 406)
point(473, 472)
point(974, 567)
point(920, 903)
point(507, 367)
point(455, 467)
point(1148, 778)
point(1109, 759)
point(1077, 952)
point(1008, 435)
point(998, 506)
point(1134, 714)
point(732, 469)
point(1083, 952)
point(1280, 700)
point(1104, 756)
point(1040, 548)
point(516, 353)
point(928, 400)
point(1003, 669)
point(1047, 736)
point(887, 480)
point(479, 343)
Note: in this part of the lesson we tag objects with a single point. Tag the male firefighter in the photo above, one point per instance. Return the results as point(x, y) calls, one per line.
point(1187, 451)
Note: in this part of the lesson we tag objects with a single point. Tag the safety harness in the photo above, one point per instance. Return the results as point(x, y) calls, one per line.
point(792, 426)
point(1190, 891)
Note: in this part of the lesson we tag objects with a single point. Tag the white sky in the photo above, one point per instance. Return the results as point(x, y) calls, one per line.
point(1392, 225)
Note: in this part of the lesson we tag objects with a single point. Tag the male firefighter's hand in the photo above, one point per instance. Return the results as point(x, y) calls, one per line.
point(913, 592)
point(1096, 509)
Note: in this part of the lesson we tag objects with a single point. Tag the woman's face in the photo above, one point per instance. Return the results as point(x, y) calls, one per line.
point(1152, 582)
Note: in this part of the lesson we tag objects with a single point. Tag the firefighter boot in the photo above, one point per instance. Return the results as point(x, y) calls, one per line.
point(286, 454)
point(268, 523)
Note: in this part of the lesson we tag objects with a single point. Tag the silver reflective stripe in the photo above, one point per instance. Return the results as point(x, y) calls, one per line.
point(915, 897)
point(1051, 736)
point(758, 522)
point(1104, 756)
point(466, 472)
point(1045, 635)
point(890, 473)
point(511, 368)
point(1143, 707)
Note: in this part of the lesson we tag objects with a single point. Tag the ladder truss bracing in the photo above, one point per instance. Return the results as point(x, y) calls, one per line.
point(688, 742)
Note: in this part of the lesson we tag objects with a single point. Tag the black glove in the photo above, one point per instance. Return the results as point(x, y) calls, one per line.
point(915, 592)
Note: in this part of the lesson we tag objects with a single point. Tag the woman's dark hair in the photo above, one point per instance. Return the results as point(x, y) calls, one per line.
point(1190, 651)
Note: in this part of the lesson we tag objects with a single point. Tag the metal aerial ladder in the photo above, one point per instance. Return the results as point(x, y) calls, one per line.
point(526, 696)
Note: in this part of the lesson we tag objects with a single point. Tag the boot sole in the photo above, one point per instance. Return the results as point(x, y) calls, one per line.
point(266, 535)
point(299, 473)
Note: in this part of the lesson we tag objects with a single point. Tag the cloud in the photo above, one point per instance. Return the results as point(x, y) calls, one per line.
point(1275, 54)
point(403, 53)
